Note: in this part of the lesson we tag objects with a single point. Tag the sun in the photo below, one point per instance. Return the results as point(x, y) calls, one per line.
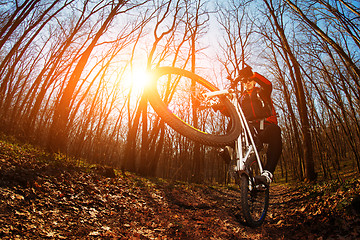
point(139, 79)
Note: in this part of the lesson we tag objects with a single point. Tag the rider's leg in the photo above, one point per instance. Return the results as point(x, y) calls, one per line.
point(256, 134)
point(272, 136)
point(225, 154)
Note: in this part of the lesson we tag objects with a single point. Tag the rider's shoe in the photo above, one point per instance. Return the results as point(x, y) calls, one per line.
point(265, 178)
point(224, 153)
point(268, 175)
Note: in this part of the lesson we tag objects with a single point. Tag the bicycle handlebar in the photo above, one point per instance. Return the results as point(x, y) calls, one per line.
point(217, 93)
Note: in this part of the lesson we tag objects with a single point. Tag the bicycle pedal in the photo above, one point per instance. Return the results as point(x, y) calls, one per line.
point(261, 180)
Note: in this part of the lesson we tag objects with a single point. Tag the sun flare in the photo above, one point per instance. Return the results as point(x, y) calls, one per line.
point(139, 79)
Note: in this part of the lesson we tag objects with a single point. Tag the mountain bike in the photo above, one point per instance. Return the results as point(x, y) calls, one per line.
point(185, 101)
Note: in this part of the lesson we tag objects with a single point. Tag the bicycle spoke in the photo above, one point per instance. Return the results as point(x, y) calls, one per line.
point(176, 95)
point(184, 99)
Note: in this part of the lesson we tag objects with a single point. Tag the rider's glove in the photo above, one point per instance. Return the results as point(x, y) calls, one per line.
point(244, 74)
point(217, 107)
point(233, 82)
point(220, 107)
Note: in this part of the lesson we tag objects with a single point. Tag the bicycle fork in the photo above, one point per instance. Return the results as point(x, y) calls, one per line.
point(245, 145)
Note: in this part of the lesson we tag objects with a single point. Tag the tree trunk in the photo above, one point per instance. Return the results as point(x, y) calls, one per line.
point(326, 38)
point(300, 96)
point(59, 130)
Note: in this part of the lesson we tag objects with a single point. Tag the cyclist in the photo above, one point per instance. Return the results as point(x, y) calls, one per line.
point(258, 109)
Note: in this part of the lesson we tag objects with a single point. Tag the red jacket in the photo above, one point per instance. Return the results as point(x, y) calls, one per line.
point(257, 103)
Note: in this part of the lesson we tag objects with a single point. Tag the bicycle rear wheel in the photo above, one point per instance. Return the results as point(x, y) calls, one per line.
point(176, 96)
point(254, 201)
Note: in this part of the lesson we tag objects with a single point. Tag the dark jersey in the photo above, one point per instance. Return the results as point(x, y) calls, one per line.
point(256, 103)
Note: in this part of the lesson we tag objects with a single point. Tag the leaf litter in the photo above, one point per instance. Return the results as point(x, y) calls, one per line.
point(53, 199)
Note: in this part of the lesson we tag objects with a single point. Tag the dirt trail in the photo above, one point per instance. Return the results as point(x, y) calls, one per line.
point(41, 200)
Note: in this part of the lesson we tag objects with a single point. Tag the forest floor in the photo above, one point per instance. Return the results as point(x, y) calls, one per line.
point(57, 199)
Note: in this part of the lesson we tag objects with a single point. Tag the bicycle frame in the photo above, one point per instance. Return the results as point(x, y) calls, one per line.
point(253, 188)
point(243, 147)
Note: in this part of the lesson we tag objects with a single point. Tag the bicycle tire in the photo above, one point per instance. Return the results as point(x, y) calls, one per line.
point(254, 201)
point(166, 82)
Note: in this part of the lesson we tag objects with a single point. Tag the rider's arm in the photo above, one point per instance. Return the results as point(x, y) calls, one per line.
point(263, 82)
point(221, 108)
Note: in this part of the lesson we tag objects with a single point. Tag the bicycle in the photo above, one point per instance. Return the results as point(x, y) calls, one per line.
point(185, 101)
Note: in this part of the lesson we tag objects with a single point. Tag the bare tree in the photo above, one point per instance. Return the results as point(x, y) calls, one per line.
point(142, 109)
point(295, 73)
point(59, 129)
point(196, 22)
point(14, 21)
point(348, 60)
point(237, 40)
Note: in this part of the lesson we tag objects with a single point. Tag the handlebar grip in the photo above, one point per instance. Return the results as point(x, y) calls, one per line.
point(216, 93)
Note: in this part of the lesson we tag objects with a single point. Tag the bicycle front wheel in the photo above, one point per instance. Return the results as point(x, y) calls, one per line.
point(176, 96)
point(254, 201)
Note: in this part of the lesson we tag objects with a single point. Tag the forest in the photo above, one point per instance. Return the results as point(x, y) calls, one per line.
point(73, 73)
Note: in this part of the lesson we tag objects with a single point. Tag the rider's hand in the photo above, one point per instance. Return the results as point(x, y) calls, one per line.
point(217, 107)
point(244, 74)
point(233, 82)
